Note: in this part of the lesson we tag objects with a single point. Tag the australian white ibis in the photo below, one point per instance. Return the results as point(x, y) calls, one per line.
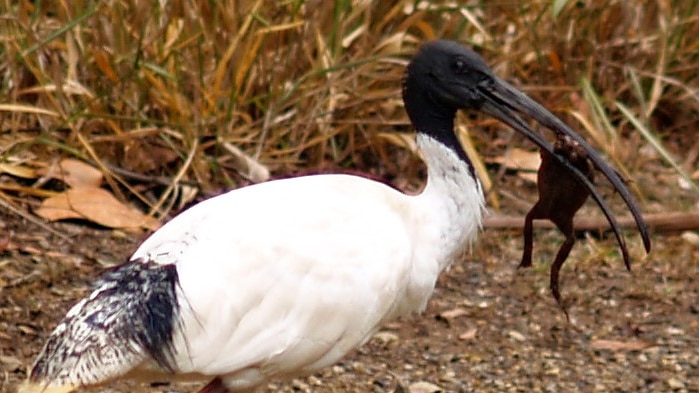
point(283, 278)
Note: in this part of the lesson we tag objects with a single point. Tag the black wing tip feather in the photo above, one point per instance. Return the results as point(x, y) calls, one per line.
point(132, 312)
point(151, 290)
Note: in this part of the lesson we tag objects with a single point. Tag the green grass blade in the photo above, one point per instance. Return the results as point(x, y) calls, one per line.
point(60, 31)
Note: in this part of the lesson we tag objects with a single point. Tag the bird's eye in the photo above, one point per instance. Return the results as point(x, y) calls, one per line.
point(459, 65)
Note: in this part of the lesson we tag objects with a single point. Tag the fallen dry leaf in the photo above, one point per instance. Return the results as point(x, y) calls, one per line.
point(78, 174)
point(614, 345)
point(453, 313)
point(424, 387)
point(57, 208)
point(470, 334)
point(73, 172)
point(96, 205)
point(519, 159)
point(525, 162)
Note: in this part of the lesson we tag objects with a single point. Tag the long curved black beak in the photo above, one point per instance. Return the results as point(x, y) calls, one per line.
point(503, 102)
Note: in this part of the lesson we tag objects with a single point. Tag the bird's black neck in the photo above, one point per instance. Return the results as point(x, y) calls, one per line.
point(435, 121)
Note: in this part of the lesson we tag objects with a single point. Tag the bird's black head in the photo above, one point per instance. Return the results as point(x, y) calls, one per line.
point(442, 77)
point(445, 76)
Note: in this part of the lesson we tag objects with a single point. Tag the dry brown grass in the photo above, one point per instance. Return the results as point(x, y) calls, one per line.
point(165, 88)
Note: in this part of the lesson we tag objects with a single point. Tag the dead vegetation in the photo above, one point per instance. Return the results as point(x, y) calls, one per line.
point(169, 98)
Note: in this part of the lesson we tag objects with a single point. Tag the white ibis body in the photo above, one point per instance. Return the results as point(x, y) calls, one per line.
point(286, 277)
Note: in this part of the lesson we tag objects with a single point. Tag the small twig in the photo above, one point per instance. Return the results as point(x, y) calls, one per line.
point(657, 222)
point(160, 180)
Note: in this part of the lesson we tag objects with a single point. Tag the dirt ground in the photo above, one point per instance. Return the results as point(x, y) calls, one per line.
point(487, 328)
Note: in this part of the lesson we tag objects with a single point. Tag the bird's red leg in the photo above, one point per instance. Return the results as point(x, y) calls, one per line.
point(215, 386)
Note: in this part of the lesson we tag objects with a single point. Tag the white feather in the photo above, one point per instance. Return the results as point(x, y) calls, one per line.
point(286, 277)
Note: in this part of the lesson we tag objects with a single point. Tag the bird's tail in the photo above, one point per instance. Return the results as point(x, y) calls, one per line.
point(129, 317)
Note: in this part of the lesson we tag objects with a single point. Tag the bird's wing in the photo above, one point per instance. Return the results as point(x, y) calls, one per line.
point(285, 276)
